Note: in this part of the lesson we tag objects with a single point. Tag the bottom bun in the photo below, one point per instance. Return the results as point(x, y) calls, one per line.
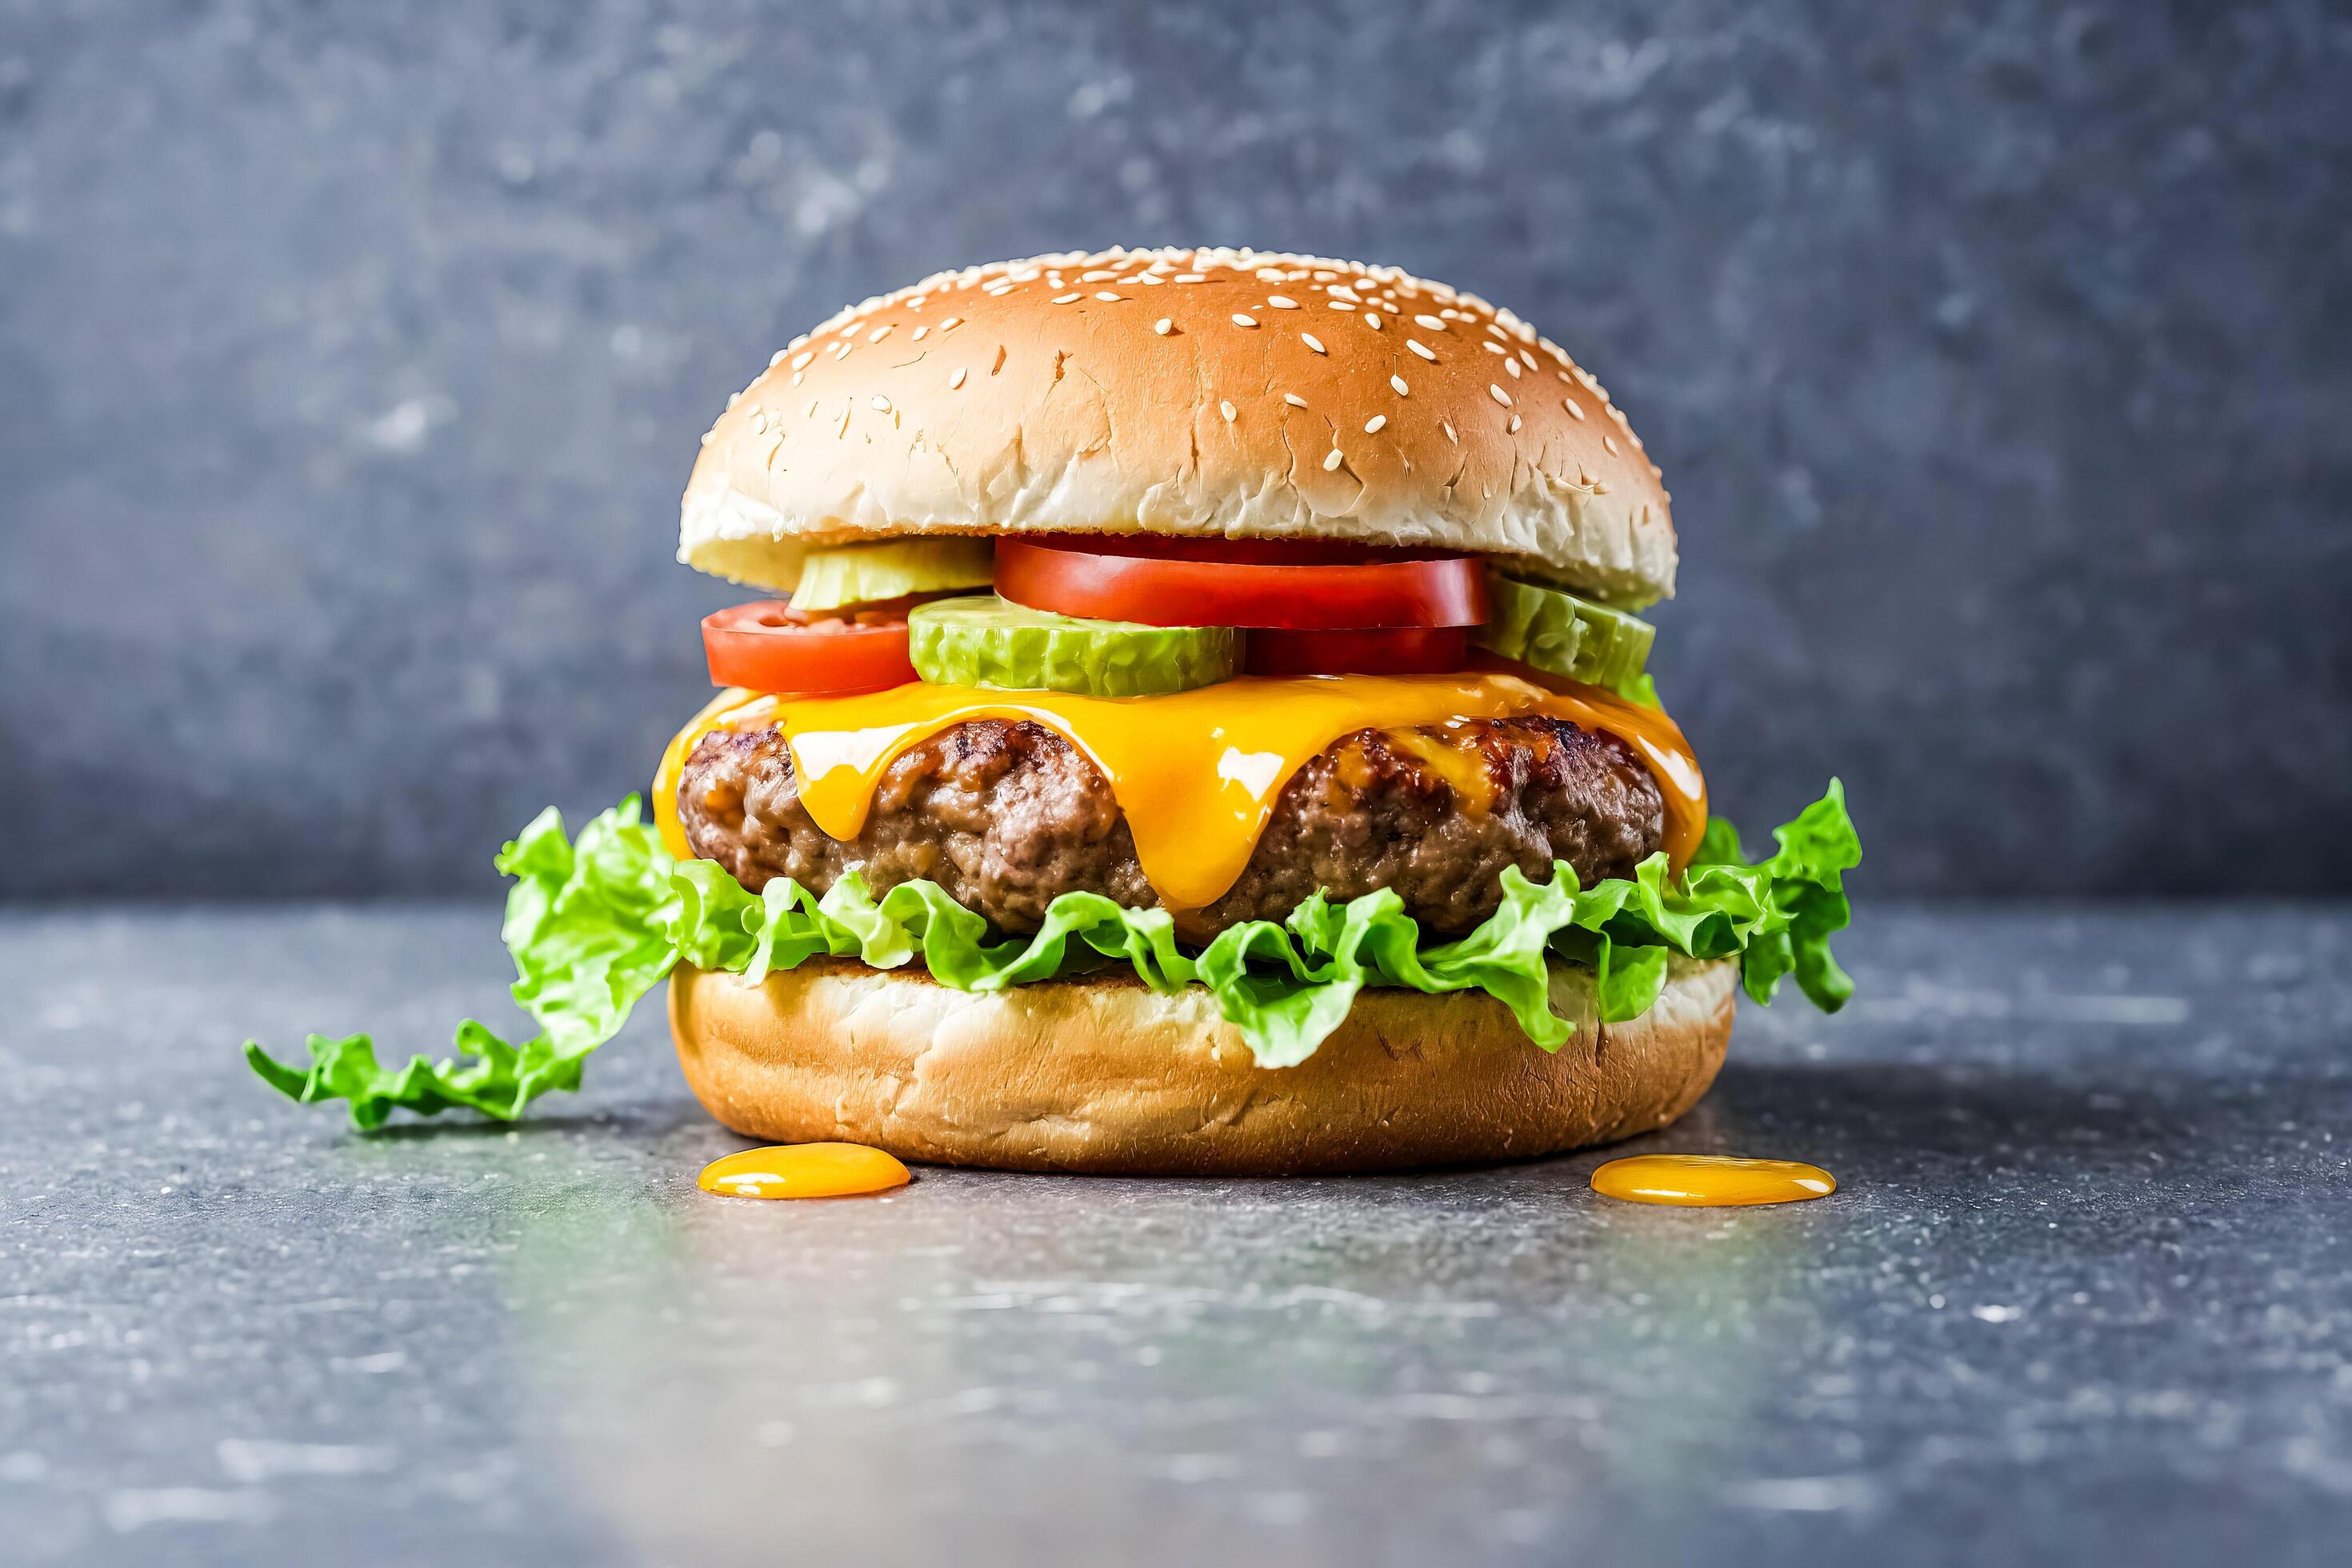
point(1110, 1076)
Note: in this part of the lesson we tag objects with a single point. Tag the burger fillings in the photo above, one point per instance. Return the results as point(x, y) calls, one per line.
point(1205, 728)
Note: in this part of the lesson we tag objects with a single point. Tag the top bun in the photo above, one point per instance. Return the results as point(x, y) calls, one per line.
point(1235, 394)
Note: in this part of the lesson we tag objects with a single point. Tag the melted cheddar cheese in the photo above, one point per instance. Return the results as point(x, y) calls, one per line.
point(1196, 773)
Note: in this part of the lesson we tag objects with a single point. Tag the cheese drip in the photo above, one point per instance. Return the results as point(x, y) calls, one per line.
point(1196, 773)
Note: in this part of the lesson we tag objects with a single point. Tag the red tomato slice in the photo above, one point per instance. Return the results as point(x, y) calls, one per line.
point(1297, 586)
point(771, 646)
point(1392, 650)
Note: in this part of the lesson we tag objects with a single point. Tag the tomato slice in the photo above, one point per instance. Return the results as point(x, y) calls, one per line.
point(1391, 650)
point(768, 646)
point(1300, 585)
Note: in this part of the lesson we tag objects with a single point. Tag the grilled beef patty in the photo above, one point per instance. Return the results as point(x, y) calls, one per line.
point(1004, 815)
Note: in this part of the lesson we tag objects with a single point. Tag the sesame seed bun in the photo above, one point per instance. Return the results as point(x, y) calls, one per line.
point(1108, 1075)
point(1223, 392)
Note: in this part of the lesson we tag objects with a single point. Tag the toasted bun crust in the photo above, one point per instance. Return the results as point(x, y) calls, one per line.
point(1111, 1076)
point(1223, 393)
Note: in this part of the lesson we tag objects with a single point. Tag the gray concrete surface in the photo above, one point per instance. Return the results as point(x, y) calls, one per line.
point(2085, 1296)
point(352, 359)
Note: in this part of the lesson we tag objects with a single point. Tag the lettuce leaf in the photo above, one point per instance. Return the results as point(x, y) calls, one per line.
point(590, 926)
point(595, 924)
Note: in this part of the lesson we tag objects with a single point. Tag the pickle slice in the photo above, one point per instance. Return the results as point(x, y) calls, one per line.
point(1558, 632)
point(984, 641)
point(891, 569)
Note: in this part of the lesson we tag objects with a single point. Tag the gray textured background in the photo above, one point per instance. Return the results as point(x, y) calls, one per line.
point(352, 359)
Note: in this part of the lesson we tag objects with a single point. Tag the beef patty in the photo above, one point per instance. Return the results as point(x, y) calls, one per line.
point(1004, 815)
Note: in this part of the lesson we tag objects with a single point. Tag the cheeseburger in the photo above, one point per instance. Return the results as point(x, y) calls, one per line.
point(1198, 722)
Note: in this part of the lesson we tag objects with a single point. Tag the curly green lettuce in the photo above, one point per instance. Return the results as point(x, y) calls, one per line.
point(594, 924)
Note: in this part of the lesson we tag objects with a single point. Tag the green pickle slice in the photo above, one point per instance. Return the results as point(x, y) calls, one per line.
point(1565, 634)
point(984, 641)
point(891, 569)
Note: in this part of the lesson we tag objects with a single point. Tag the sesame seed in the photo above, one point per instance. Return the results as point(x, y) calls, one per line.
point(759, 422)
point(1530, 359)
point(1513, 366)
point(951, 324)
point(921, 332)
point(1447, 426)
point(1242, 320)
point(1573, 411)
point(957, 379)
point(733, 398)
point(1340, 304)
point(1064, 299)
point(1163, 326)
point(1312, 341)
point(1499, 394)
point(1151, 278)
point(777, 358)
point(801, 361)
point(706, 437)
point(1095, 277)
point(1227, 410)
point(1372, 320)
point(1401, 389)
point(1107, 297)
point(1635, 440)
point(1513, 427)
point(1423, 348)
point(1294, 400)
point(1563, 376)
point(1331, 461)
point(1282, 301)
point(1495, 348)
point(878, 334)
point(797, 341)
point(1190, 278)
point(882, 404)
point(796, 378)
point(1432, 322)
point(1372, 426)
point(1609, 442)
point(1342, 292)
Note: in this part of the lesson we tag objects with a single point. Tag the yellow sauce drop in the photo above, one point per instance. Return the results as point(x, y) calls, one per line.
point(1711, 1181)
point(1196, 773)
point(804, 1171)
